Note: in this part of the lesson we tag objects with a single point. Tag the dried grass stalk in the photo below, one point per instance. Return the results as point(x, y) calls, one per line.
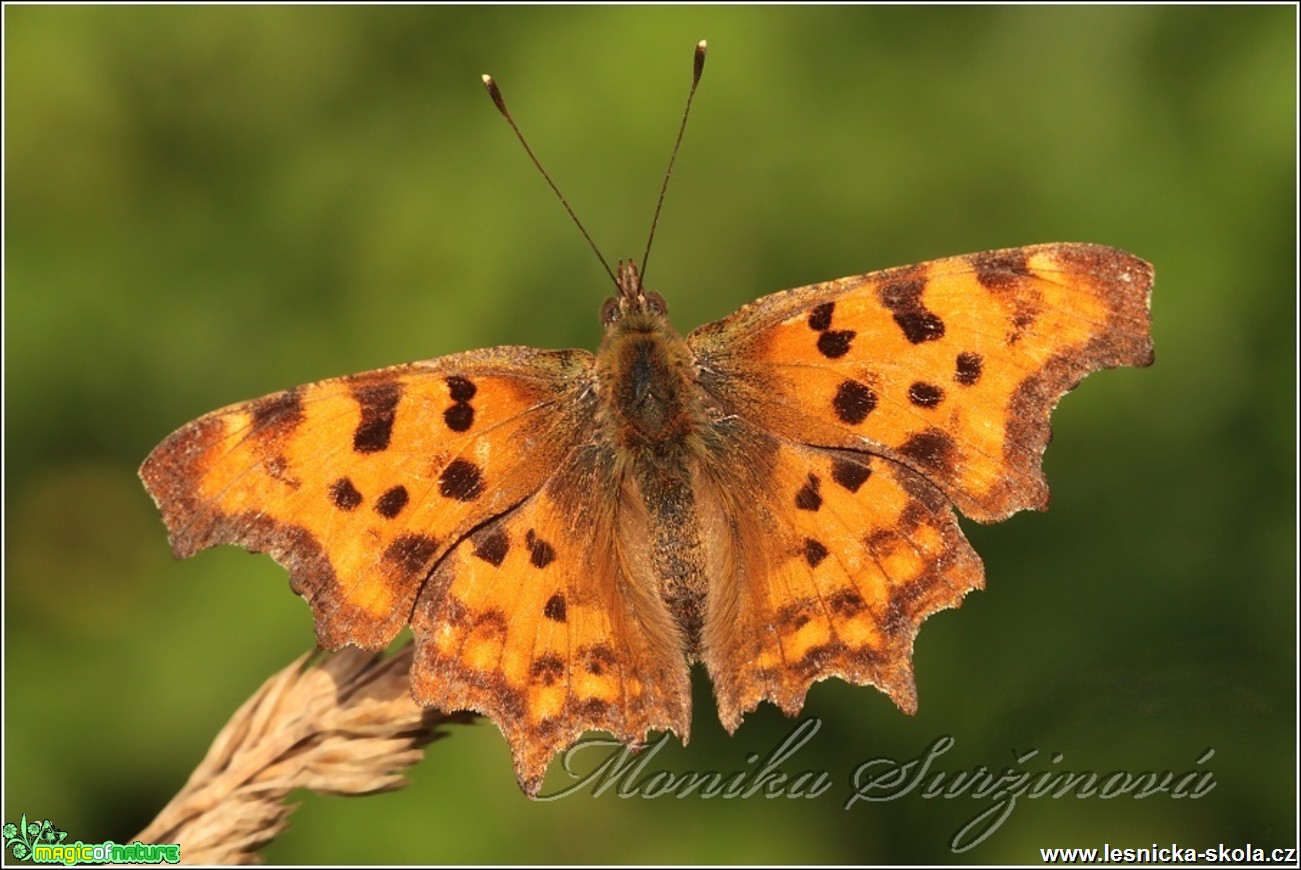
point(342, 725)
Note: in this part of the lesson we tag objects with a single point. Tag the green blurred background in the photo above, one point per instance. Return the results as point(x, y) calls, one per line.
point(205, 205)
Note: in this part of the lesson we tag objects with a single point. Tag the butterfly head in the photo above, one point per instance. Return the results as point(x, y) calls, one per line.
point(633, 298)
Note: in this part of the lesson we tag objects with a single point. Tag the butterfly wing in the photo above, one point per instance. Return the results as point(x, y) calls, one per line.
point(544, 620)
point(840, 555)
point(420, 494)
point(940, 378)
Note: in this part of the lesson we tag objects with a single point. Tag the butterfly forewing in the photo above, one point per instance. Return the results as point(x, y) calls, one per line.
point(358, 485)
point(950, 367)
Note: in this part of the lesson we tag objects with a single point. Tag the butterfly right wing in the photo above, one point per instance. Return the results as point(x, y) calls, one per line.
point(851, 413)
point(836, 558)
point(950, 367)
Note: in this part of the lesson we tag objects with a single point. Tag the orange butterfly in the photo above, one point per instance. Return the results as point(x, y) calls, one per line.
point(772, 495)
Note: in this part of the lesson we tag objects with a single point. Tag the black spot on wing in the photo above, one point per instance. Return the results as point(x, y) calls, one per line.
point(461, 480)
point(541, 553)
point(814, 552)
point(391, 503)
point(846, 602)
point(850, 473)
point(835, 343)
point(547, 669)
point(881, 542)
point(378, 404)
point(344, 495)
point(794, 616)
point(903, 294)
point(1000, 270)
point(411, 554)
point(853, 402)
point(968, 369)
point(459, 417)
point(461, 389)
point(919, 326)
point(931, 449)
point(492, 548)
point(277, 416)
point(925, 395)
point(903, 298)
point(597, 658)
point(808, 498)
point(820, 317)
point(555, 608)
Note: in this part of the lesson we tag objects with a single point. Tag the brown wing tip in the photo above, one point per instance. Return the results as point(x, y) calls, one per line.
point(170, 473)
point(1123, 282)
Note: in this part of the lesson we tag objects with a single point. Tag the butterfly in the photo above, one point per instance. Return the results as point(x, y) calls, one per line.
point(772, 495)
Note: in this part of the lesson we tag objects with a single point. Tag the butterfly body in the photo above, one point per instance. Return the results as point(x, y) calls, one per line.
point(772, 495)
point(646, 382)
point(655, 418)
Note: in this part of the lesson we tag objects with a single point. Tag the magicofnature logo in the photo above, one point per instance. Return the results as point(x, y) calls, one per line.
point(43, 843)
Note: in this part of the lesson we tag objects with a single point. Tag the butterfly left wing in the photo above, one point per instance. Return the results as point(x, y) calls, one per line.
point(358, 485)
point(545, 620)
point(463, 496)
point(941, 378)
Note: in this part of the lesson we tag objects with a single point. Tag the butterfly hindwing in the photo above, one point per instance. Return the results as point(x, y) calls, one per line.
point(839, 559)
point(540, 622)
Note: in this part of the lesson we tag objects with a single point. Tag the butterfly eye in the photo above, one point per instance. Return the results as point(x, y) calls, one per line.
point(655, 303)
point(610, 311)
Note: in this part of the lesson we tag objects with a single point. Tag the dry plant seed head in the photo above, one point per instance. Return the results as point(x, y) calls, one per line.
point(342, 725)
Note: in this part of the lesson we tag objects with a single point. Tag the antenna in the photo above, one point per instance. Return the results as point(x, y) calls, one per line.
point(698, 66)
point(495, 93)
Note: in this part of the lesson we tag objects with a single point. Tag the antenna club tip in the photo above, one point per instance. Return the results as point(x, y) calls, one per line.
point(699, 64)
point(495, 93)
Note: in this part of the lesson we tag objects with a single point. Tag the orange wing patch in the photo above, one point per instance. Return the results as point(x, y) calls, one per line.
point(359, 485)
point(533, 621)
point(841, 559)
point(950, 367)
